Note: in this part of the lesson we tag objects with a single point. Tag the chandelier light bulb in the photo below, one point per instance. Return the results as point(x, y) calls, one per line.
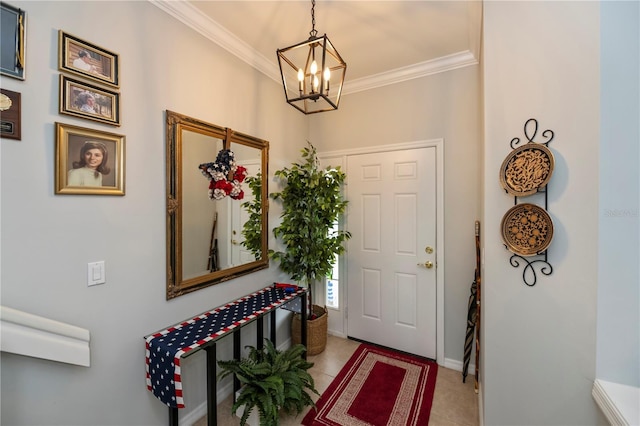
point(327, 77)
point(300, 79)
point(314, 67)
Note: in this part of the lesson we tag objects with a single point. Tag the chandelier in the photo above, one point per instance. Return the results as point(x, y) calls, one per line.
point(312, 72)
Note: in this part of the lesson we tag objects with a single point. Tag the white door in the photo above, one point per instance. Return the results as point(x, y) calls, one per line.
point(392, 218)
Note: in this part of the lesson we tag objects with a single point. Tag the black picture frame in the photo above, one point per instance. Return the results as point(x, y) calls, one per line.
point(75, 94)
point(99, 65)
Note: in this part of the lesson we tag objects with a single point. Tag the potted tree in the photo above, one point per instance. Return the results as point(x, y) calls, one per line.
point(271, 380)
point(311, 204)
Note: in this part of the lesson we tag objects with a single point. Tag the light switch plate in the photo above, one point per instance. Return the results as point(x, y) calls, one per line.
point(96, 273)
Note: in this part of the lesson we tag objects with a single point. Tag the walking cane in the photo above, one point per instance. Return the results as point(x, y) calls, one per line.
point(212, 264)
point(473, 315)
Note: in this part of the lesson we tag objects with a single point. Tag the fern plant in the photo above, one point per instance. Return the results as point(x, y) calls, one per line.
point(271, 380)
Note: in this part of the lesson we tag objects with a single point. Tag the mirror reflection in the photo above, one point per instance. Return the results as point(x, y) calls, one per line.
point(213, 236)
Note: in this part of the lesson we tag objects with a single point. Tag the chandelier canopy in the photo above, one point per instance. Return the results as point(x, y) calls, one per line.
point(312, 72)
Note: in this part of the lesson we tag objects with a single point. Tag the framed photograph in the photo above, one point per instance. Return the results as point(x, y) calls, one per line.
point(88, 101)
point(88, 60)
point(13, 23)
point(88, 161)
point(10, 115)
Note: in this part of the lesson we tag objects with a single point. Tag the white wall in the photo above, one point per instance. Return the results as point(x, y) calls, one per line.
point(541, 60)
point(47, 239)
point(447, 106)
point(618, 355)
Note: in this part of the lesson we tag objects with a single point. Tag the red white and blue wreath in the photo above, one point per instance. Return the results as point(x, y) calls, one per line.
point(225, 176)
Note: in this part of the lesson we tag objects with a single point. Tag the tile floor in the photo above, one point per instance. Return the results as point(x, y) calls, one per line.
point(454, 403)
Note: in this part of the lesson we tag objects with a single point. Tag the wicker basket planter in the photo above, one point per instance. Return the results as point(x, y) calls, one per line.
point(316, 330)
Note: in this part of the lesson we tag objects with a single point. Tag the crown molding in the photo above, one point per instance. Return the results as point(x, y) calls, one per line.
point(421, 69)
point(183, 11)
point(198, 21)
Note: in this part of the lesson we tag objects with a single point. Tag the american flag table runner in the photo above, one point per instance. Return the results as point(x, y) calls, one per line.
point(165, 348)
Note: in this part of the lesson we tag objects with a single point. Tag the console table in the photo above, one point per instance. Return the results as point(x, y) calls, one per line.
point(166, 348)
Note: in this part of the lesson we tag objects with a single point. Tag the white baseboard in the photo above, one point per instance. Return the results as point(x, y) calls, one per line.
point(200, 411)
point(480, 407)
point(337, 334)
point(457, 365)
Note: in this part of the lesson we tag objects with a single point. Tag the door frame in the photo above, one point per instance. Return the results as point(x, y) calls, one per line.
point(340, 158)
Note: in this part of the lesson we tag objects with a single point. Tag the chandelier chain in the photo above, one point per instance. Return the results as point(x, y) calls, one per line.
point(313, 31)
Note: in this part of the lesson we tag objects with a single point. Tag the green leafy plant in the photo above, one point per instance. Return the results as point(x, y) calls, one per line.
point(252, 228)
point(311, 204)
point(271, 380)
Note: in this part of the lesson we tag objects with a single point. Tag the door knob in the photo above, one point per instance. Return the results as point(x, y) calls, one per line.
point(428, 264)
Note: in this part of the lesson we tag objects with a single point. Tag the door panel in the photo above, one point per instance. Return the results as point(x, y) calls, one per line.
point(392, 218)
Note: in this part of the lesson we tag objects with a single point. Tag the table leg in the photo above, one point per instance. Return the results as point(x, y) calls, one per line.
point(236, 355)
point(303, 325)
point(272, 331)
point(173, 416)
point(212, 406)
point(260, 333)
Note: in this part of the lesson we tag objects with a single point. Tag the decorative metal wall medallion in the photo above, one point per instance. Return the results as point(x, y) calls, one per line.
point(527, 229)
point(526, 170)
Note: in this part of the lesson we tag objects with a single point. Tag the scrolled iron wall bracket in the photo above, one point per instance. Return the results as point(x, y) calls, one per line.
point(539, 259)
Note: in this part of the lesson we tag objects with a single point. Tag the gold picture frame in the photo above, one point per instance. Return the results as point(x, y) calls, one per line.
point(87, 60)
point(88, 101)
point(88, 161)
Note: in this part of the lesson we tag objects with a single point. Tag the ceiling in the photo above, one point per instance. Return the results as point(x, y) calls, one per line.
point(382, 42)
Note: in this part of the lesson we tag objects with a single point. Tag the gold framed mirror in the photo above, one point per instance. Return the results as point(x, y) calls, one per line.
point(211, 240)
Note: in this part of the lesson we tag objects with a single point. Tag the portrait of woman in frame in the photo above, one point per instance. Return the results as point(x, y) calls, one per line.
point(88, 161)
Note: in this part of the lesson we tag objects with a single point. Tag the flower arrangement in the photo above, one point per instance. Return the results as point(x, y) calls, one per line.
point(225, 176)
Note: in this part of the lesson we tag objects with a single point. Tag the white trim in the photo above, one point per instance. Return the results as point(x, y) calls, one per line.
point(39, 337)
point(419, 70)
point(337, 334)
point(480, 405)
point(439, 145)
point(454, 364)
point(619, 403)
point(380, 148)
point(194, 18)
point(440, 254)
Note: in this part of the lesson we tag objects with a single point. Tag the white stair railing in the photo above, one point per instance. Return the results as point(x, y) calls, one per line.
point(35, 336)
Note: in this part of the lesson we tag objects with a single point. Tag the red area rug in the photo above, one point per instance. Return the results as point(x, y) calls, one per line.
point(378, 387)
